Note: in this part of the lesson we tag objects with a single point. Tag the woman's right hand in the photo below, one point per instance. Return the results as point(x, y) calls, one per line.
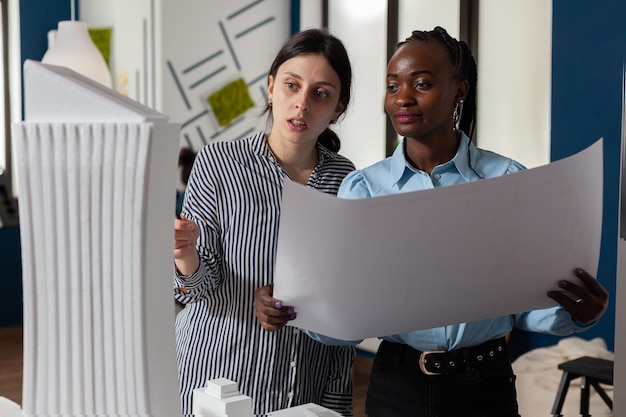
point(186, 233)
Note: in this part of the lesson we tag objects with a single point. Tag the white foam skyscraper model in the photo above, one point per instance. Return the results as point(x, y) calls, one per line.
point(96, 182)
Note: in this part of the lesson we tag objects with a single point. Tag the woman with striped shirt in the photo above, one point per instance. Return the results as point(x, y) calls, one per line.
point(225, 242)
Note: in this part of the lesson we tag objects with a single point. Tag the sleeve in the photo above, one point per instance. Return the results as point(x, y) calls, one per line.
point(354, 186)
point(555, 321)
point(514, 167)
point(200, 205)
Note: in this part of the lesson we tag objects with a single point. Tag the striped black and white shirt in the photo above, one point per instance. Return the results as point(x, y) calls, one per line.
point(234, 195)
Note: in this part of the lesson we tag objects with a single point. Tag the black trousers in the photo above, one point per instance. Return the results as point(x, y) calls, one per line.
point(481, 385)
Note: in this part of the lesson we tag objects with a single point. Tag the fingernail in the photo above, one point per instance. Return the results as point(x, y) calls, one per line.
point(292, 316)
point(563, 284)
point(551, 294)
point(579, 271)
point(290, 310)
point(278, 304)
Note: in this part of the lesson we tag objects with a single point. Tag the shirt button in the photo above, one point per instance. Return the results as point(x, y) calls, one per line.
point(290, 395)
point(436, 176)
point(295, 331)
point(293, 364)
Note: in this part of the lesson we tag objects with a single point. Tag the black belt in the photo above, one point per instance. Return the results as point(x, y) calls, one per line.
point(443, 362)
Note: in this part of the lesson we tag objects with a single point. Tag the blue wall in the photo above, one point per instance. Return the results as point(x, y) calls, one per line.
point(11, 278)
point(588, 52)
point(37, 17)
point(295, 16)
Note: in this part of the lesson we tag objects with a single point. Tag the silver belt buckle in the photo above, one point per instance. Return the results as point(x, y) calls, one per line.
point(422, 361)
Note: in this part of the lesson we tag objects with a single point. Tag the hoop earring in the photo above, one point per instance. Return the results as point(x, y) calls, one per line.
point(456, 115)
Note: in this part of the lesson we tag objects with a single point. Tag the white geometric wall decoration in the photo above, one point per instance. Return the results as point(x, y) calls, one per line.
point(97, 177)
point(219, 42)
point(170, 55)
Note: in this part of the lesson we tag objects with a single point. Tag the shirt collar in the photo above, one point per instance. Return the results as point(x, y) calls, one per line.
point(463, 160)
point(260, 147)
point(465, 157)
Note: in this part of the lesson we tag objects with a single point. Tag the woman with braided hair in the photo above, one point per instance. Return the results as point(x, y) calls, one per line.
point(462, 369)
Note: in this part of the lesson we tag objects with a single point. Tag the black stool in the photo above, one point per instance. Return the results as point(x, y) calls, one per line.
point(593, 371)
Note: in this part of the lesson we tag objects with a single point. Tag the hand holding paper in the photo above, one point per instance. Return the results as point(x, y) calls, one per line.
point(589, 301)
point(270, 312)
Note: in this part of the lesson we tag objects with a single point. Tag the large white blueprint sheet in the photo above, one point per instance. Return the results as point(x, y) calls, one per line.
point(355, 269)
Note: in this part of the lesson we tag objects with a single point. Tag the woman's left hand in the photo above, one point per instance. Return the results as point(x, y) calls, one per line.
point(271, 312)
point(590, 299)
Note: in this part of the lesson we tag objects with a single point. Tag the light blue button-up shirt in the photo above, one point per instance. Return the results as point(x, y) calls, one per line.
point(395, 175)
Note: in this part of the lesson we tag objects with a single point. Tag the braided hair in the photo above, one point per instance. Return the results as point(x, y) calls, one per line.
point(463, 67)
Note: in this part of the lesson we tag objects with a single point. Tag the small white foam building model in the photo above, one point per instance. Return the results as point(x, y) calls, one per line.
point(221, 398)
